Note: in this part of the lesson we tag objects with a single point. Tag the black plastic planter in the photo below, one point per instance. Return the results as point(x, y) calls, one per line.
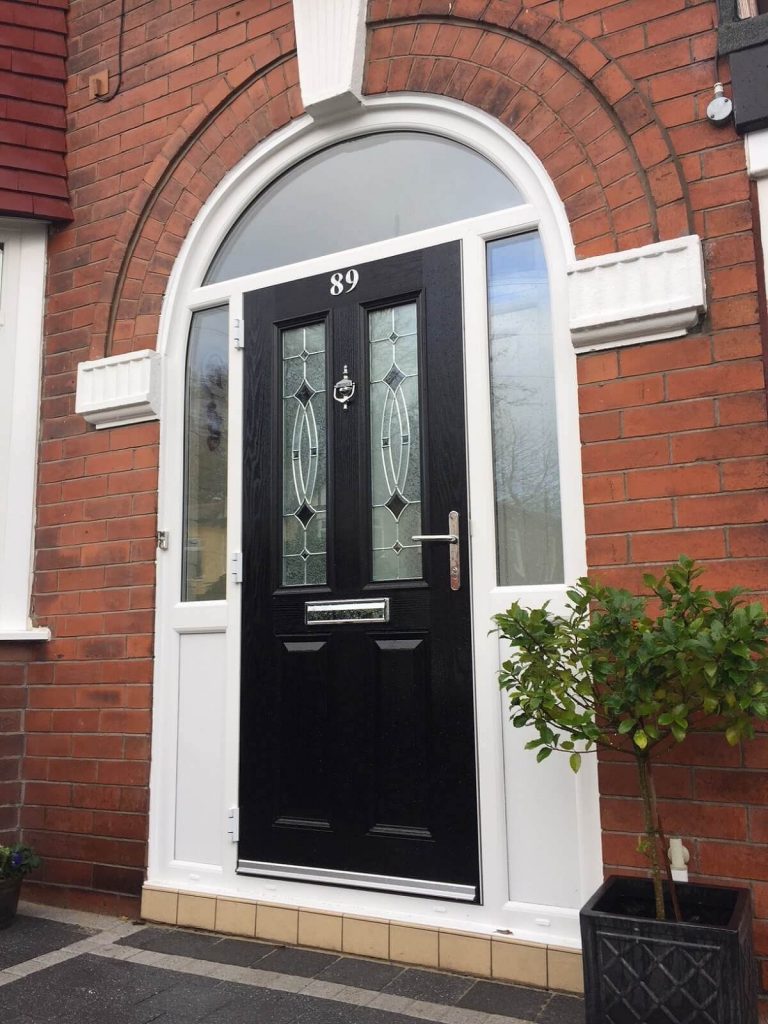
point(638, 970)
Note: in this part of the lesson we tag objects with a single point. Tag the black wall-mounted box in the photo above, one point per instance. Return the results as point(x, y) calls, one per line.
point(745, 42)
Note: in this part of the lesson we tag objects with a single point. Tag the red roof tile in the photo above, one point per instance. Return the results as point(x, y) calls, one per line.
point(33, 46)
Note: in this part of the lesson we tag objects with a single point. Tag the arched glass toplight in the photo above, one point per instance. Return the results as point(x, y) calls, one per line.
point(361, 191)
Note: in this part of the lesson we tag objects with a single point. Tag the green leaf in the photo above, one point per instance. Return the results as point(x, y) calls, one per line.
point(640, 739)
point(733, 735)
point(543, 754)
point(627, 725)
point(678, 732)
point(575, 762)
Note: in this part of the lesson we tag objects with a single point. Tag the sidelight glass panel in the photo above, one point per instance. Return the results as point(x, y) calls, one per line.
point(395, 442)
point(526, 467)
point(205, 492)
point(304, 456)
point(326, 203)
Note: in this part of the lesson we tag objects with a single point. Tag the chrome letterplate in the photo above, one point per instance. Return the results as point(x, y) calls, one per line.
point(321, 613)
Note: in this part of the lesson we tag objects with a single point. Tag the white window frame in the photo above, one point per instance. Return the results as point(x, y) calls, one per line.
point(22, 296)
point(538, 843)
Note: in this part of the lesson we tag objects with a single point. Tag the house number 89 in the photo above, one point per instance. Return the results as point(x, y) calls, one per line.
point(341, 282)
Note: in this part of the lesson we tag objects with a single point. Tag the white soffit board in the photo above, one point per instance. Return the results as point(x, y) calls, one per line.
point(646, 294)
point(330, 40)
point(118, 390)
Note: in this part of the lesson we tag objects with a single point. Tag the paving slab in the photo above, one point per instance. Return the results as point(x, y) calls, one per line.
point(430, 986)
point(30, 937)
point(505, 1000)
point(370, 974)
point(201, 946)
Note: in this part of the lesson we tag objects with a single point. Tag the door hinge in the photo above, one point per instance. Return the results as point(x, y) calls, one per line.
point(233, 824)
point(236, 566)
point(162, 540)
point(237, 333)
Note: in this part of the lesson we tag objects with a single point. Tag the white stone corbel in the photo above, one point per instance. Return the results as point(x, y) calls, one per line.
point(330, 40)
point(647, 294)
point(118, 390)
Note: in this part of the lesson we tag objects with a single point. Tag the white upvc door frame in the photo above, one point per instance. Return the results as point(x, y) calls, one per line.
point(505, 889)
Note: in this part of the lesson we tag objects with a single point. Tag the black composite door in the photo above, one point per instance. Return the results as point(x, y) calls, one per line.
point(357, 761)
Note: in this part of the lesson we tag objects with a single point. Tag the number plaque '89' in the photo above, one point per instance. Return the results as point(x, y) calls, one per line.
point(342, 282)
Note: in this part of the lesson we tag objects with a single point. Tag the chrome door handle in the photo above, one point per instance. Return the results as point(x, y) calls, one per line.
point(451, 538)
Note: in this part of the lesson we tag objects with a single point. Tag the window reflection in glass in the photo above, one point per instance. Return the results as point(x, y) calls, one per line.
point(526, 469)
point(315, 208)
point(205, 493)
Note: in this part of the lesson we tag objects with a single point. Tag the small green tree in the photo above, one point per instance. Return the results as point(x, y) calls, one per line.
point(614, 674)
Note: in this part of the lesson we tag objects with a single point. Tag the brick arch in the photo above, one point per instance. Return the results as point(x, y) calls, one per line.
point(249, 103)
point(595, 132)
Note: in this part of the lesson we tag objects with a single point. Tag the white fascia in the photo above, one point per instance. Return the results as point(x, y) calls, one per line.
point(22, 294)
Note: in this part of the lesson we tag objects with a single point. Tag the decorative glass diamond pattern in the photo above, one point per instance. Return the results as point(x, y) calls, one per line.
point(395, 442)
point(304, 456)
point(396, 504)
point(304, 514)
point(305, 392)
point(395, 377)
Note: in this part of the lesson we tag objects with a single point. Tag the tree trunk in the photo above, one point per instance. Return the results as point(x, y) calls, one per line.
point(649, 816)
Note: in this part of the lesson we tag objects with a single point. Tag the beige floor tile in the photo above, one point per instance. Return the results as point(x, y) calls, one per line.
point(410, 945)
point(278, 924)
point(365, 937)
point(519, 962)
point(197, 911)
point(469, 954)
point(564, 970)
point(236, 918)
point(323, 931)
point(159, 905)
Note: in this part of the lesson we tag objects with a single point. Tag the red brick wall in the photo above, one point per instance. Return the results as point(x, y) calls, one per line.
point(612, 97)
point(33, 46)
point(202, 83)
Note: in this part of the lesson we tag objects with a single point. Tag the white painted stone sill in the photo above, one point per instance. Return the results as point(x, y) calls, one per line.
point(33, 633)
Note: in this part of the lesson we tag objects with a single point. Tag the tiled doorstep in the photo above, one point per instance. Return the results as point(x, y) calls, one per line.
point(485, 956)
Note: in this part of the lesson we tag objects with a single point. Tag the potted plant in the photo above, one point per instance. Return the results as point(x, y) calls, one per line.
point(638, 675)
point(15, 862)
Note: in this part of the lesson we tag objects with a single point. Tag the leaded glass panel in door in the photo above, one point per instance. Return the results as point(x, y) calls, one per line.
point(304, 455)
point(395, 442)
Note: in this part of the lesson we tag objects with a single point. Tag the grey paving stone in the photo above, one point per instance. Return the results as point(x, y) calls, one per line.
point(86, 990)
point(507, 1000)
point(190, 1000)
point(256, 1006)
point(336, 1013)
point(305, 962)
point(175, 942)
point(360, 973)
point(429, 986)
point(563, 1010)
point(29, 937)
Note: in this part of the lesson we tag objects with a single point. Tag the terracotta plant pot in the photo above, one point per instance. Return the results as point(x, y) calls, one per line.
point(9, 900)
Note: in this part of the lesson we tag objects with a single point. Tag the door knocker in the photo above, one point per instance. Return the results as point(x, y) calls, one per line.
point(344, 390)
